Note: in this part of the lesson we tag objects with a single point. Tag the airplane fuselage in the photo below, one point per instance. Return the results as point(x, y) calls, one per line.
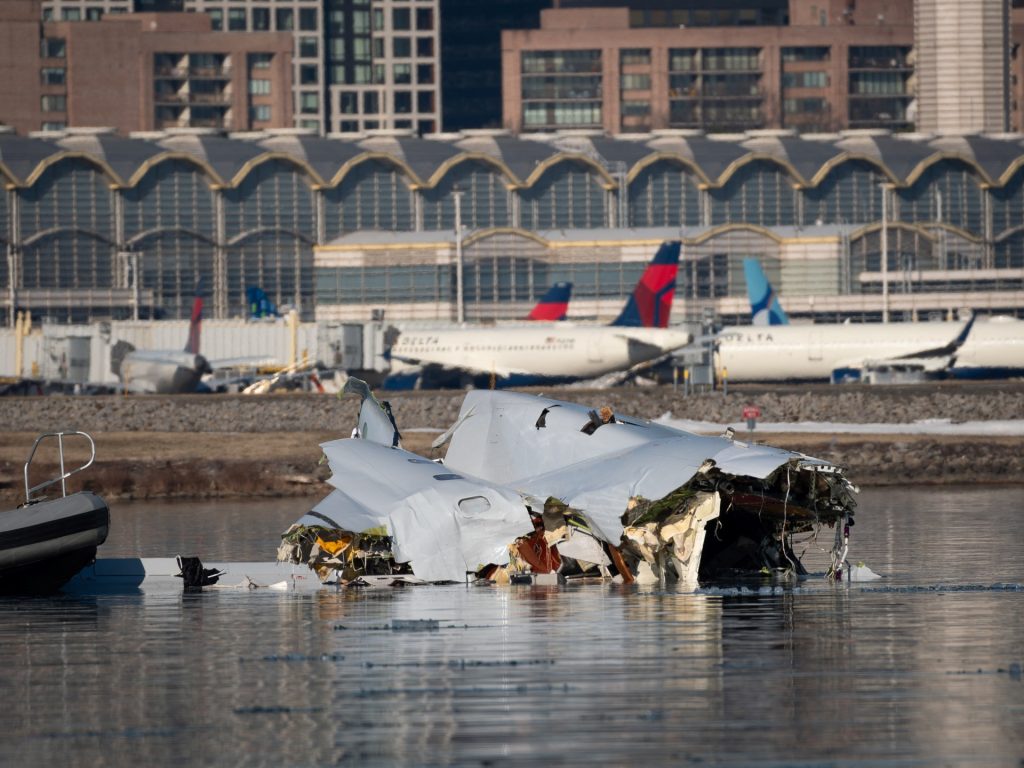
point(538, 351)
point(812, 352)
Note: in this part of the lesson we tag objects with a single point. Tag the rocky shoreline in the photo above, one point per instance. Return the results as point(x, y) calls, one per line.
point(219, 446)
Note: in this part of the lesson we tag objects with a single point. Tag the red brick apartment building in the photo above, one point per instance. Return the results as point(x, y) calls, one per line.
point(139, 72)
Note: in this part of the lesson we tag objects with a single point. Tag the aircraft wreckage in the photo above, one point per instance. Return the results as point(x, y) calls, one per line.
point(532, 488)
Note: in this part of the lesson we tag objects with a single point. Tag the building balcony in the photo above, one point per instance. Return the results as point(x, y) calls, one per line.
point(219, 73)
point(210, 98)
point(177, 73)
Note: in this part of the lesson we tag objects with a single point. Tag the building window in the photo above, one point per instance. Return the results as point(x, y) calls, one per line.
point(93, 14)
point(425, 101)
point(260, 113)
point(380, 74)
point(349, 103)
point(259, 87)
point(636, 108)
point(308, 74)
point(561, 62)
point(261, 19)
point(371, 103)
point(424, 47)
point(403, 123)
point(640, 56)
point(403, 102)
point(53, 48)
point(71, 14)
point(877, 83)
point(309, 103)
point(804, 79)
point(879, 57)
point(362, 74)
point(216, 19)
point(335, 22)
point(260, 60)
point(307, 19)
point(52, 75)
point(424, 19)
point(378, 47)
point(403, 74)
point(361, 48)
point(804, 106)
point(310, 124)
point(361, 22)
point(54, 103)
point(401, 47)
point(636, 82)
point(401, 18)
point(308, 47)
point(54, 126)
point(285, 18)
point(348, 126)
point(731, 59)
point(425, 126)
point(682, 59)
point(236, 20)
point(425, 74)
point(378, 20)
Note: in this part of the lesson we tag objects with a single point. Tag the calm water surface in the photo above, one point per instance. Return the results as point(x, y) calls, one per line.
point(921, 668)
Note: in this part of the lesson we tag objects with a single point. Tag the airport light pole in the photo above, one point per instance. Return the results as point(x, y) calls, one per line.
point(459, 295)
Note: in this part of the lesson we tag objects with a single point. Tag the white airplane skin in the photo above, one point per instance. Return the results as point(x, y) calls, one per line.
point(536, 353)
point(807, 352)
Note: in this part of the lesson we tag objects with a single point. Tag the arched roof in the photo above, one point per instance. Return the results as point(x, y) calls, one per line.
point(226, 157)
point(123, 156)
point(21, 155)
point(322, 156)
point(523, 159)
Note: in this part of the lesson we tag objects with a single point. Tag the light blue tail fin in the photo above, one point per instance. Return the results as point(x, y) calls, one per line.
point(765, 308)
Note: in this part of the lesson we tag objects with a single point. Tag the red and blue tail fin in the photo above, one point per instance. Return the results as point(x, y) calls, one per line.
point(195, 323)
point(553, 305)
point(651, 302)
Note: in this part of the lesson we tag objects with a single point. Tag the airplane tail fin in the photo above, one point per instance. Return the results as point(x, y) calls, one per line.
point(195, 323)
point(553, 305)
point(764, 303)
point(651, 302)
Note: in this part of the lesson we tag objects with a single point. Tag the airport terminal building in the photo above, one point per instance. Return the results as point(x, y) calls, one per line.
point(100, 226)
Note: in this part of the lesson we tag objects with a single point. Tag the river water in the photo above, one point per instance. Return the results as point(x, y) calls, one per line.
point(920, 668)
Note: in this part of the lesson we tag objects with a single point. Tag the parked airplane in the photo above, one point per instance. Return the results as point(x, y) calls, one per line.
point(542, 353)
point(764, 302)
point(169, 371)
point(852, 351)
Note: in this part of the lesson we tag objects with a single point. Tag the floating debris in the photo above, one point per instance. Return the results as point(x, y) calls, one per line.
point(535, 490)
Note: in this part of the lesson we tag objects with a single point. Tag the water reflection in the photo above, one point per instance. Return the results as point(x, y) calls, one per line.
point(574, 675)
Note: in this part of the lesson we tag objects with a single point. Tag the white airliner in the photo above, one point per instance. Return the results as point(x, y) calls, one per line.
point(546, 353)
point(988, 348)
point(170, 371)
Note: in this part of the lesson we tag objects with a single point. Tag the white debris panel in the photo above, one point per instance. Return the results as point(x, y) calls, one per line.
point(534, 485)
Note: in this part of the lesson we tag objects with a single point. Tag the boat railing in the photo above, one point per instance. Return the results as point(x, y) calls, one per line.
point(64, 473)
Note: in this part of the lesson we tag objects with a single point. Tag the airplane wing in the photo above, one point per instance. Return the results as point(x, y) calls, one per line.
point(929, 363)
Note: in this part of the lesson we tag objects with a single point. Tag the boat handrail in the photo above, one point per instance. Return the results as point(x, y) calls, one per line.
point(64, 474)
